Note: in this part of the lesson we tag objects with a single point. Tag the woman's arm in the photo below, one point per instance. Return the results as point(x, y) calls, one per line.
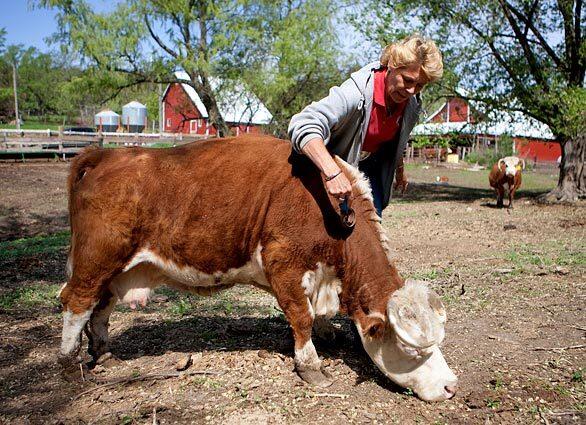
point(319, 119)
point(337, 184)
point(400, 177)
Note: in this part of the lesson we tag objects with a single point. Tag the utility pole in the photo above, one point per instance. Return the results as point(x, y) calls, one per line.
point(15, 95)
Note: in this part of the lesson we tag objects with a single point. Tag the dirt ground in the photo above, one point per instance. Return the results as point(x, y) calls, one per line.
point(513, 284)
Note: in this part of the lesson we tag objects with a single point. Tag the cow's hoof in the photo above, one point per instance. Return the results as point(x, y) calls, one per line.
point(74, 372)
point(319, 378)
point(107, 360)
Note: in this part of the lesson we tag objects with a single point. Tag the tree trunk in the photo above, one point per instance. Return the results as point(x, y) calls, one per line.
point(214, 114)
point(572, 181)
point(17, 117)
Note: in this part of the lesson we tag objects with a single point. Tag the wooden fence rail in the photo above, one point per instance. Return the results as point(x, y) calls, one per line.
point(15, 144)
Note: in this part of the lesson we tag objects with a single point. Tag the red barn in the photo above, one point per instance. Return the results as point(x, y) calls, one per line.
point(184, 112)
point(532, 139)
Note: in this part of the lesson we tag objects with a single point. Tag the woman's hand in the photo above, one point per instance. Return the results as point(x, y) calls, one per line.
point(401, 182)
point(337, 184)
point(339, 187)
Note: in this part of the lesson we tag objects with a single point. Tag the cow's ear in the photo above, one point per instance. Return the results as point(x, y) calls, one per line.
point(372, 325)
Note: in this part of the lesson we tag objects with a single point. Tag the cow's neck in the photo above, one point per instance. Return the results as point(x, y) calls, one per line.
point(369, 276)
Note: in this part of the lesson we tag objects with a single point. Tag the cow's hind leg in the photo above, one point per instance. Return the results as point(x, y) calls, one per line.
point(97, 327)
point(96, 257)
point(77, 310)
point(295, 304)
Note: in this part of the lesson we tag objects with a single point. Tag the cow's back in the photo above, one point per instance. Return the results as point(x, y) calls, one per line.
point(207, 204)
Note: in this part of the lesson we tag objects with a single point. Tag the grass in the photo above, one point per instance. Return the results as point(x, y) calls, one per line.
point(524, 256)
point(34, 296)
point(41, 244)
point(492, 404)
point(578, 376)
point(425, 275)
point(238, 301)
point(31, 126)
point(533, 181)
point(161, 145)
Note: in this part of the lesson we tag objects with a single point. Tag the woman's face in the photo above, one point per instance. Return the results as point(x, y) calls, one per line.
point(402, 83)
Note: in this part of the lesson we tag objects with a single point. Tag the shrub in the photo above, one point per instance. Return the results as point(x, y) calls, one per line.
point(485, 157)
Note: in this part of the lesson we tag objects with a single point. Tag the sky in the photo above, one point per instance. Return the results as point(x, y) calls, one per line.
point(31, 26)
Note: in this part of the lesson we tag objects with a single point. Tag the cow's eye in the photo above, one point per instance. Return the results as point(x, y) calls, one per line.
point(410, 351)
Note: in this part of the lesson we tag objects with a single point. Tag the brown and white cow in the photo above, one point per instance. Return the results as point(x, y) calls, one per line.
point(506, 175)
point(206, 216)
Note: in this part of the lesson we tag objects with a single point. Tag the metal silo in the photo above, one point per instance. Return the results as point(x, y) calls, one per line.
point(107, 120)
point(134, 116)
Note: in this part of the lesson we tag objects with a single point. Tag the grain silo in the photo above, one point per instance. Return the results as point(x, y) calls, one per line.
point(134, 116)
point(107, 120)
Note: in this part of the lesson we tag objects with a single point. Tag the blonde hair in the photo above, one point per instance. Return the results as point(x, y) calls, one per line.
point(415, 49)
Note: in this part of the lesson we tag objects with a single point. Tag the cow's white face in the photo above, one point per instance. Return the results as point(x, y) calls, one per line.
point(408, 351)
point(512, 165)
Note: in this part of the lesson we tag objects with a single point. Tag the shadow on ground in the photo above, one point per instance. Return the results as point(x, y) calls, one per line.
point(234, 334)
point(21, 379)
point(15, 224)
point(427, 192)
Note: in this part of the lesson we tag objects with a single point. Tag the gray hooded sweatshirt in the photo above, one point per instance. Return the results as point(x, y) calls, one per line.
point(341, 120)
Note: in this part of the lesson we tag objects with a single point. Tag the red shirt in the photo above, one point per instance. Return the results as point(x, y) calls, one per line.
point(381, 127)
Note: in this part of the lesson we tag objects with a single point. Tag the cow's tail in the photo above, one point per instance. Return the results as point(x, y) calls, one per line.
point(87, 160)
point(81, 164)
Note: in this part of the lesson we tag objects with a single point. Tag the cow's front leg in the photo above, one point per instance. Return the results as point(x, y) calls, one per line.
point(295, 304)
point(500, 194)
point(97, 327)
point(511, 196)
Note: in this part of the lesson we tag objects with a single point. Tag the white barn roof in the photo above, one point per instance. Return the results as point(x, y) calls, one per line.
point(236, 106)
point(497, 123)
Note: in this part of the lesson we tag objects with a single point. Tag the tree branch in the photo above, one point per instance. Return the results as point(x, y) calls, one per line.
point(203, 33)
point(534, 66)
point(158, 40)
point(528, 21)
point(119, 89)
point(492, 47)
point(580, 58)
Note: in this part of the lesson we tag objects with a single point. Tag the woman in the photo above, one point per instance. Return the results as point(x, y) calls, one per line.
point(367, 120)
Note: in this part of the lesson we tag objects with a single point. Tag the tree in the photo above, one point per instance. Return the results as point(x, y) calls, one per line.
point(13, 55)
point(5, 77)
point(40, 76)
point(146, 40)
point(517, 55)
point(2, 39)
point(295, 59)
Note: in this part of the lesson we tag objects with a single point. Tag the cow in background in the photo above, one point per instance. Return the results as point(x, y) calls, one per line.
point(506, 175)
point(206, 216)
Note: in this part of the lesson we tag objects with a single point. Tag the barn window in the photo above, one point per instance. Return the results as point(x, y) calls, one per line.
point(168, 122)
